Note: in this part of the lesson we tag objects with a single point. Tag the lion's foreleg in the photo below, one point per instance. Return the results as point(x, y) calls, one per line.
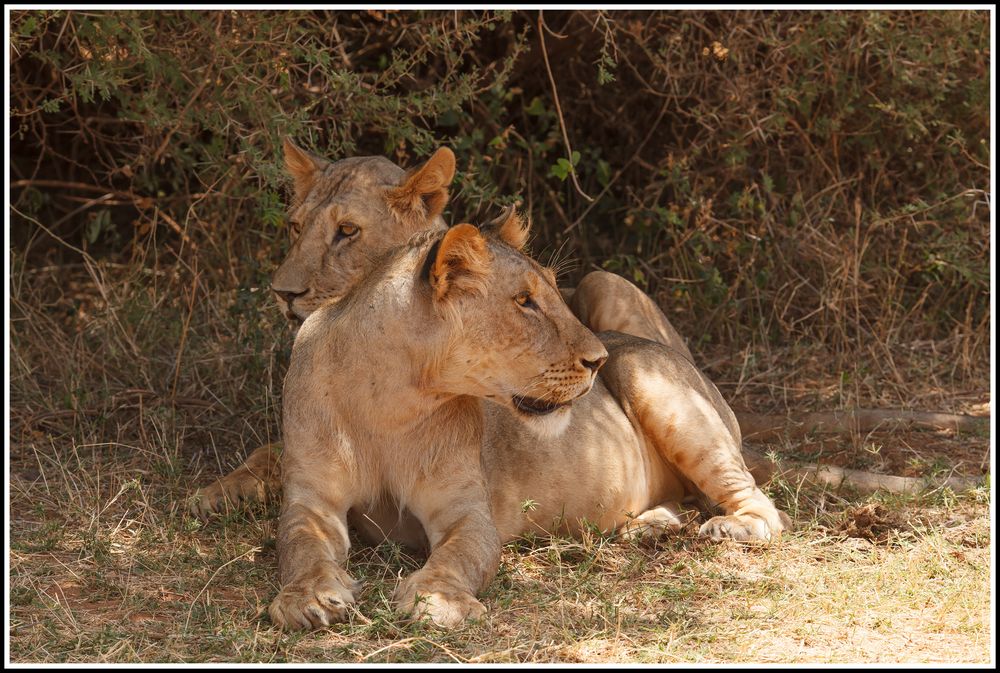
point(313, 543)
point(465, 551)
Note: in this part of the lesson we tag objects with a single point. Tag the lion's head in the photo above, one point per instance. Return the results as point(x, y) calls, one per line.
point(345, 214)
point(513, 338)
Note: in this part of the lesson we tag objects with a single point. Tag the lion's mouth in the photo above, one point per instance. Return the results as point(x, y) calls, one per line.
point(536, 407)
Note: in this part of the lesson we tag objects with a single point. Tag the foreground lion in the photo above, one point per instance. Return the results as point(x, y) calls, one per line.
point(462, 359)
point(347, 213)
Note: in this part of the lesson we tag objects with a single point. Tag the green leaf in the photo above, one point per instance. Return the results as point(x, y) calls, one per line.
point(603, 172)
point(448, 118)
point(99, 223)
point(561, 169)
point(27, 29)
point(536, 108)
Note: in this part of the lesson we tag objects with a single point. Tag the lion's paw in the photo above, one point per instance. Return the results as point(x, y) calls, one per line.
point(446, 606)
point(226, 493)
point(669, 518)
point(321, 599)
point(739, 527)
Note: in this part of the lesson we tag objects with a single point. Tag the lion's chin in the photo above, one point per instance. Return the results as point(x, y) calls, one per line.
point(549, 425)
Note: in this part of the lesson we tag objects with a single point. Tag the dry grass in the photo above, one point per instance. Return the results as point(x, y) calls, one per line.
point(104, 568)
point(130, 385)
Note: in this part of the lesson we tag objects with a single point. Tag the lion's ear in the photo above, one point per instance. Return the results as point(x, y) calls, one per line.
point(510, 227)
point(423, 193)
point(303, 167)
point(459, 262)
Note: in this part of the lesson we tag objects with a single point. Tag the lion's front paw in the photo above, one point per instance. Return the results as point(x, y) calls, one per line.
point(740, 527)
point(323, 598)
point(446, 606)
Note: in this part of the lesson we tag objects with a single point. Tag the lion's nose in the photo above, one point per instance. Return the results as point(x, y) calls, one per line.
point(288, 295)
point(594, 365)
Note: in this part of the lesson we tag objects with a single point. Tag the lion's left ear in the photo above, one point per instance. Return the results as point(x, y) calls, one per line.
point(510, 227)
point(423, 193)
point(459, 262)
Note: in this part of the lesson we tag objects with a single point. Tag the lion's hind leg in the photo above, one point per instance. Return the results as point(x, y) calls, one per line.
point(258, 478)
point(683, 415)
point(756, 519)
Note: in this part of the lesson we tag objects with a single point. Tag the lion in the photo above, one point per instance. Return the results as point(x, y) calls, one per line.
point(473, 389)
point(344, 214)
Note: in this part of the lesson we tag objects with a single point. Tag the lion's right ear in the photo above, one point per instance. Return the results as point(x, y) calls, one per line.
point(303, 167)
point(510, 227)
point(423, 193)
point(459, 262)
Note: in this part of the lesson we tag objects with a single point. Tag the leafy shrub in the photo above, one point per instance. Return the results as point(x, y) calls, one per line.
point(763, 174)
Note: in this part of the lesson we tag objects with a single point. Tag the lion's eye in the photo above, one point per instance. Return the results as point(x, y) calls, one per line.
point(347, 229)
point(524, 300)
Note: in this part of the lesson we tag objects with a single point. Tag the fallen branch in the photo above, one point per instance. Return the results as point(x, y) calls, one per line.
point(764, 469)
point(762, 426)
point(759, 427)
